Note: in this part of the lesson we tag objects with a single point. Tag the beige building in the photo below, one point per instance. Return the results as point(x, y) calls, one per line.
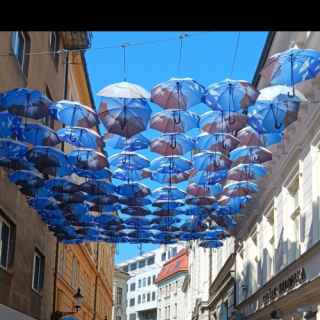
point(119, 308)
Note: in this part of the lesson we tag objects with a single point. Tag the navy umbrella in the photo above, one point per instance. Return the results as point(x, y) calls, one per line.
point(134, 201)
point(61, 185)
point(12, 150)
point(87, 159)
point(26, 179)
point(10, 125)
point(98, 187)
point(133, 190)
point(104, 173)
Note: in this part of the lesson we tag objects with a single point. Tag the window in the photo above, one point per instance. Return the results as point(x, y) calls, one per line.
point(149, 281)
point(54, 46)
point(143, 298)
point(150, 261)
point(75, 273)
point(6, 236)
point(133, 286)
point(175, 314)
point(126, 268)
point(154, 279)
point(153, 296)
point(142, 263)
point(148, 297)
point(38, 271)
point(20, 45)
point(131, 302)
point(132, 316)
point(174, 251)
point(144, 282)
point(139, 298)
point(139, 283)
point(119, 296)
point(169, 254)
point(118, 317)
point(163, 256)
point(133, 266)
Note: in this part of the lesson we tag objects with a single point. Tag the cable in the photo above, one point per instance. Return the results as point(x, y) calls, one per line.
point(235, 54)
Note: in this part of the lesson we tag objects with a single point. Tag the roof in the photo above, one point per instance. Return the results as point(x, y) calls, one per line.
point(178, 263)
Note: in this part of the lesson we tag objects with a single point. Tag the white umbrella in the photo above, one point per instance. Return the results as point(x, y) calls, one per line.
point(124, 89)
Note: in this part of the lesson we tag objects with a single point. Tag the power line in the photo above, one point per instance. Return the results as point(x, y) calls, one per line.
point(235, 54)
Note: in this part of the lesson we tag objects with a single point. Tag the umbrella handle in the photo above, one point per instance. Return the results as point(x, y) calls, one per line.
point(124, 122)
point(176, 121)
point(173, 142)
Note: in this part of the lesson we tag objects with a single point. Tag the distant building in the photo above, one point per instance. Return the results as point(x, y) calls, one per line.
point(120, 279)
point(142, 290)
point(171, 298)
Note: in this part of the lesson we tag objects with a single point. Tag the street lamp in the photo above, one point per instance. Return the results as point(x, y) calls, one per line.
point(78, 297)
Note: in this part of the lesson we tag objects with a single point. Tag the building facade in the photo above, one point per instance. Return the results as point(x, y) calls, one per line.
point(120, 279)
point(278, 248)
point(142, 290)
point(171, 297)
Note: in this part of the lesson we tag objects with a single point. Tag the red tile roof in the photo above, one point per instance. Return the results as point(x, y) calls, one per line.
point(178, 263)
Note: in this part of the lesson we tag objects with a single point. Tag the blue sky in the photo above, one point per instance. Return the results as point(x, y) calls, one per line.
point(206, 57)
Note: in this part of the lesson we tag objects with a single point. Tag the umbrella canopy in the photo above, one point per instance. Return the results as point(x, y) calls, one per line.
point(25, 102)
point(209, 178)
point(167, 177)
point(26, 179)
point(11, 149)
point(276, 93)
point(222, 142)
point(133, 190)
point(240, 188)
point(80, 137)
point(38, 134)
point(104, 173)
point(10, 125)
point(102, 199)
point(129, 175)
point(61, 185)
point(230, 95)
point(236, 203)
point(129, 161)
point(168, 193)
point(136, 211)
point(134, 201)
point(211, 161)
point(124, 89)
point(168, 204)
point(125, 117)
point(136, 222)
point(165, 221)
point(75, 114)
point(172, 144)
point(97, 187)
point(217, 121)
point(201, 200)
point(250, 154)
point(43, 203)
point(174, 121)
point(247, 171)
point(216, 234)
point(211, 244)
point(292, 66)
point(87, 159)
point(203, 190)
point(194, 210)
point(177, 93)
point(170, 164)
point(78, 196)
point(136, 142)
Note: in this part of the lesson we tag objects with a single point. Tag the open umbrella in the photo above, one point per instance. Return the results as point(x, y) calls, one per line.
point(78, 196)
point(80, 137)
point(174, 121)
point(125, 117)
point(11, 149)
point(211, 244)
point(129, 161)
point(209, 178)
point(280, 93)
point(10, 125)
point(201, 200)
point(240, 188)
point(104, 173)
point(136, 211)
point(97, 187)
point(202, 190)
point(168, 193)
point(43, 203)
point(247, 171)
point(170, 164)
point(26, 179)
point(194, 210)
point(25, 102)
point(172, 144)
point(177, 93)
point(136, 142)
point(137, 222)
point(134, 190)
point(61, 185)
point(235, 202)
point(129, 175)
point(167, 177)
point(165, 221)
point(168, 204)
point(211, 161)
point(216, 234)
point(230, 95)
point(134, 201)
point(250, 154)
point(87, 159)
point(223, 142)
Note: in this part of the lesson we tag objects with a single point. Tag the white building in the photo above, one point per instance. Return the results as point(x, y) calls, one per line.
point(119, 307)
point(142, 291)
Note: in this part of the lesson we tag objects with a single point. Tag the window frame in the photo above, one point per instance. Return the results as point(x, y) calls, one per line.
point(15, 43)
point(8, 225)
point(38, 254)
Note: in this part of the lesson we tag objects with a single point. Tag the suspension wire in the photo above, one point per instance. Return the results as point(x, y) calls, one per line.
point(124, 46)
point(235, 54)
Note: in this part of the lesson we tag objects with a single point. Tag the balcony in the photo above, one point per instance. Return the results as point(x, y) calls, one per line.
point(74, 40)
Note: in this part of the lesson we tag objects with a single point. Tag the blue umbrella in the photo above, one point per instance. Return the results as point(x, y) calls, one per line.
point(136, 142)
point(165, 237)
point(194, 210)
point(168, 204)
point(209, 178)
point(87, 159)
point(104, 173)
point(129, 161)
point(80, 137)
point(167, 177)
point(10, 125)
point(105, 207)
point(202, 190)
point(215, 234)
point(129, 175)
point(75, 208)
point(134, 201)
point(43, 203)
point(11, 149)
point(222, 142)
point(250, 154)
point(211, 244)
point(25, 102)
point(78, 196)
point(38, 134)
point(98, 187)
point(247, 171)
point(125, 117)
point(165, 221)
point(72, 113)
point(166, 212)
point(188, 236)
point(193, 225)
point(292, 66)
point(136, 211)
point(174, 121)
point(170, 164)
point(26, 179)
point(235, 203)
point(211, 161)
point(134, 190)
point(177, 93)
point(136, 222)
point(201, 201)
point(49, 160)
point(168, 193)
point(230, 95)
point(172, 144)
point(140, 234)
point(61, 185)
point(240, 188)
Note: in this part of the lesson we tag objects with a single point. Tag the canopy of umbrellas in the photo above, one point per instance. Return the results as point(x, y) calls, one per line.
point(76, 193)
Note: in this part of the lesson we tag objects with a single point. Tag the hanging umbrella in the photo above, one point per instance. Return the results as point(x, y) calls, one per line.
point(279, 93)
point(230, 95)
point(271, 117)
point(136, 142)
point(165, 221)
point(124, 89)
point(235, 203)
point(292, 66)
point(201, 200)
point(211, 244)
point(129, 175)
point(26, 103)
point(247, 171)
point(140, 234)
point(10, 125)
point(202, 190)
point(61, 185)
point(104, 173)
point(240, 188)
point(211, 161)
point(125, 117)
point(193, 225)
point(26, 179)
point(87, 159)
point(43, 203)
point(136, 211)
point(134, 201)
point(133, 190)
point(194, 210)
point(168, 204)
point(168, 193)
point(209, 178)
point(104, 208)
point(129, 161)
point(217, 121)
point(38, 134)
point(167, 177)
point(172, 144)
point(11, 149)
point(165, 212)
point(165, 237)
point(177, 93)
point(216, 234)
point(75, 114)
point(78, 196)
point(188, 236)
point(74, 208)
point(170, 164)
point(97, 187)
point(49, 160)
point(136, 222)
point(80, 137)
point(174, 121)
point(222, 142)
point(250, 154)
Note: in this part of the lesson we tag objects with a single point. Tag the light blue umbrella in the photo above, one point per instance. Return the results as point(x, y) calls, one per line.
point(168, 193)
point(26, 178)
point(209, 178)
point(223, 142)
point(250, 154)
point(129, 175)
point(247, 171)
point(211, 244)
point(211, 161)
point(170, 164)
point(136, 142)
point(240, 188)
point(129, 161)
point(87, 159)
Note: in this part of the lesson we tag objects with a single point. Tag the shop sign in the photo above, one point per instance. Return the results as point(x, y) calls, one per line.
point(284, 286)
